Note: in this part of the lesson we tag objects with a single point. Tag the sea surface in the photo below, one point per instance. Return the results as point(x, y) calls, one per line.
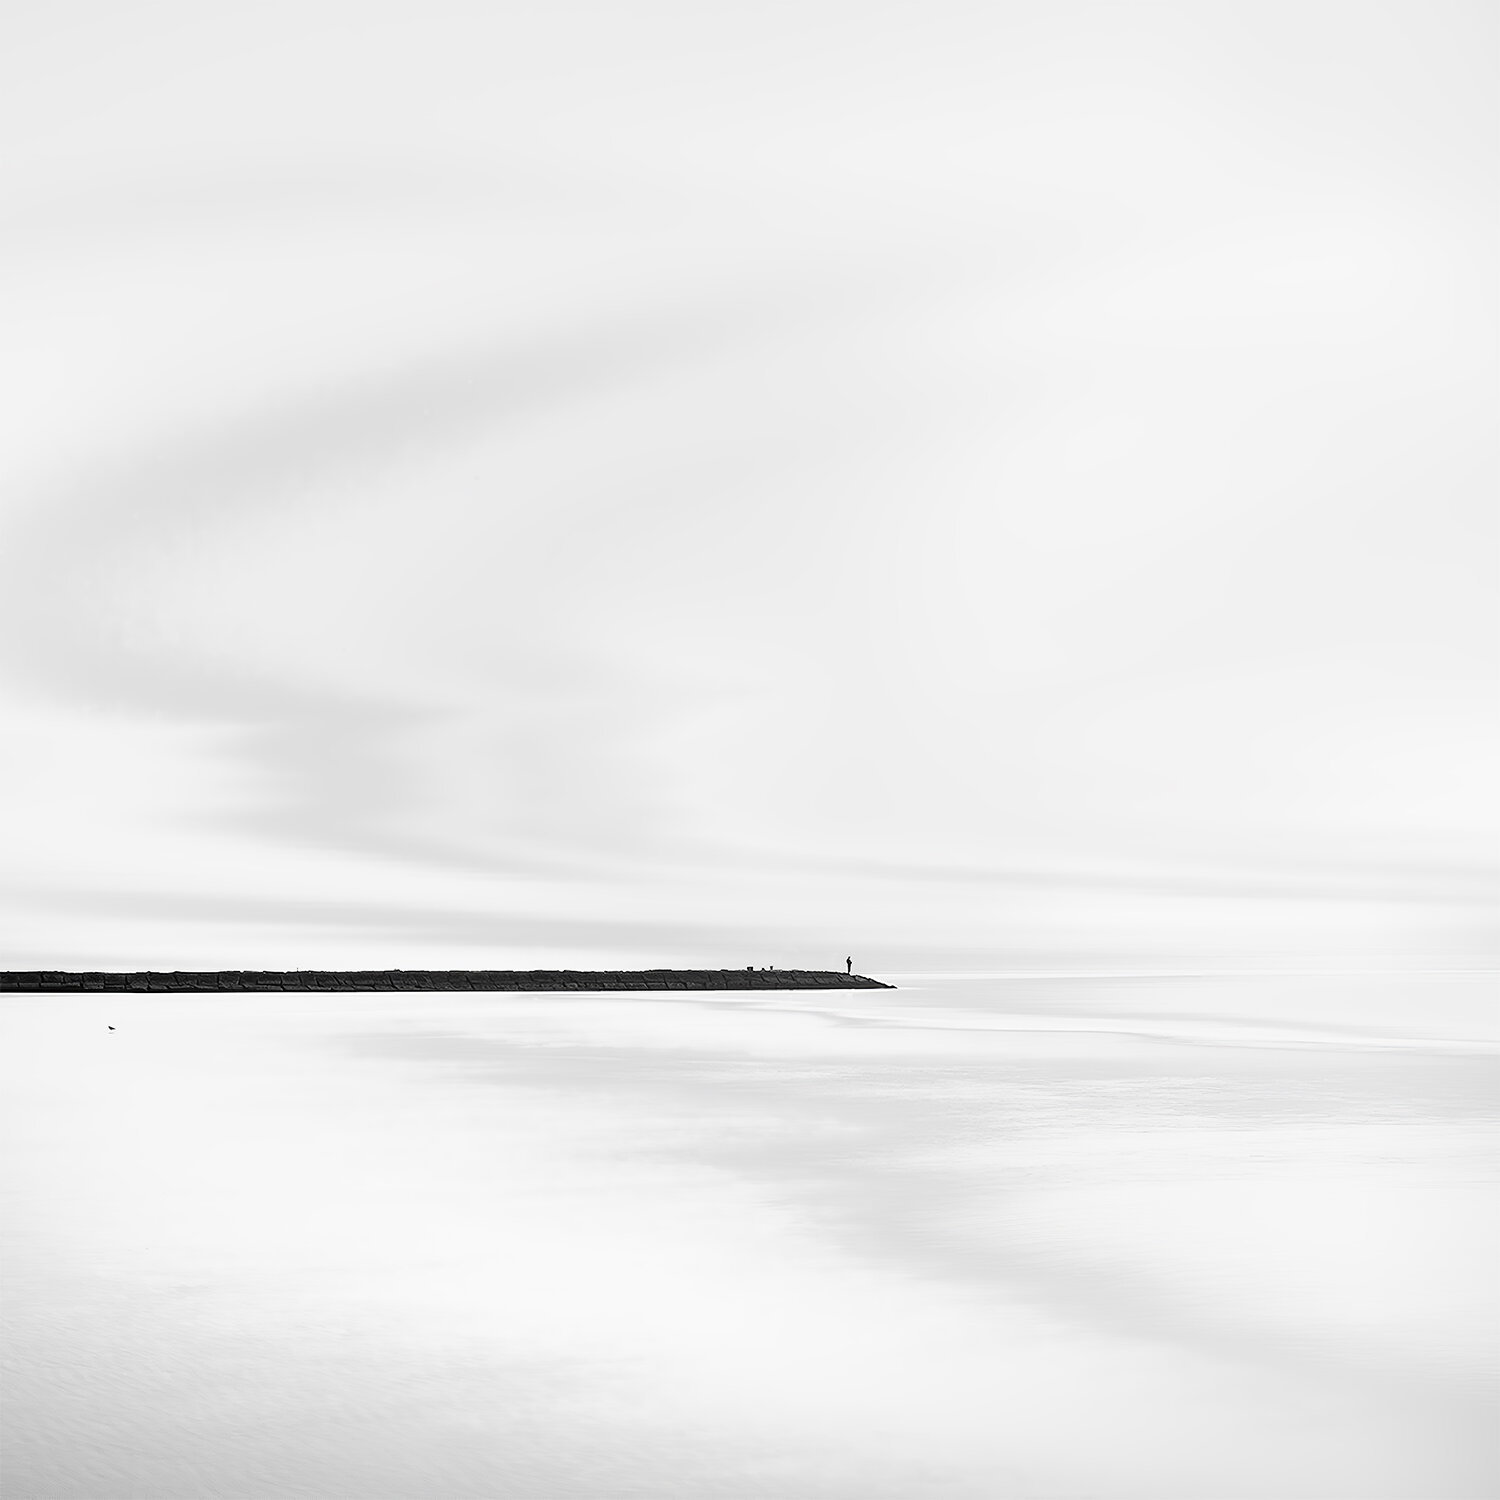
point(1152, 1235)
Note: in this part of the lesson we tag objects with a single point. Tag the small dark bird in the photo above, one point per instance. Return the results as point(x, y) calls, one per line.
point(111, 1028)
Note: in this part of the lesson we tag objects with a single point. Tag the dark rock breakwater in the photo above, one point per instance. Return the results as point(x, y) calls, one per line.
point(57, 981)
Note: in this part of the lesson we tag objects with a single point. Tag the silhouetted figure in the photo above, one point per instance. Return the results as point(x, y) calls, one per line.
point(111, 1028)
point(849, 966)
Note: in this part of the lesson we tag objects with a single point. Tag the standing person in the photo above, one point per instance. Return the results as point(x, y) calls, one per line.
point(848, 966)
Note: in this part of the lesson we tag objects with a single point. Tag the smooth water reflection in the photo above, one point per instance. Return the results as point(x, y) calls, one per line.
point(906, 1245)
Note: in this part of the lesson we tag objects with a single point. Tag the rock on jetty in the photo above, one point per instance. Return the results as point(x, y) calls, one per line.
point(56, 981)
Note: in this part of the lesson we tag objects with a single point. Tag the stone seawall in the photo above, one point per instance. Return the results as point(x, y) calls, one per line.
point(57, 981)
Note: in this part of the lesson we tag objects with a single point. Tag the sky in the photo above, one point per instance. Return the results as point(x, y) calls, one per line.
point(964, 486)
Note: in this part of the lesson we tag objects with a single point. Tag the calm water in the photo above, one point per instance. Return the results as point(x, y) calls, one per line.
point(1156, 1237)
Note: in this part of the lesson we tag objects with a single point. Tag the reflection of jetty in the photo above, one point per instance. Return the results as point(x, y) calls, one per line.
point(56, 981)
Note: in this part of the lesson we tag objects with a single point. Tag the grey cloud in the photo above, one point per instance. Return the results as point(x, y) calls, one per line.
point(326, 759)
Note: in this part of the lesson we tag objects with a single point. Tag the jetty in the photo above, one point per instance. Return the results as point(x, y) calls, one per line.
point(220, 981)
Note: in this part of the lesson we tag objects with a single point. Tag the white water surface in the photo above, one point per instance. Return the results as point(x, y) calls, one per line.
point(1147, 1236)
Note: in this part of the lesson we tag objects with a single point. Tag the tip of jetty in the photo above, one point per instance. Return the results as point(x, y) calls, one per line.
point(58, 981)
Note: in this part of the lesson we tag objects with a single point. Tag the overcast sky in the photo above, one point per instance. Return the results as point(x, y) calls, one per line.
point(969, 484)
